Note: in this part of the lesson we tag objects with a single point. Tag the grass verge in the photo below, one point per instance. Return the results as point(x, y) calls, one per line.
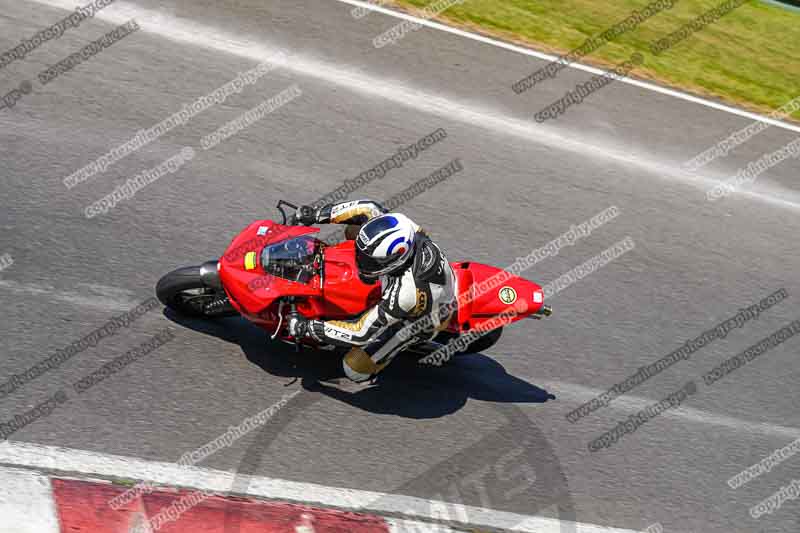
point(749, 58)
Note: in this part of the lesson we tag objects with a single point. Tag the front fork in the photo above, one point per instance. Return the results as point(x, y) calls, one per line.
point(292, 311)
point(220, 306)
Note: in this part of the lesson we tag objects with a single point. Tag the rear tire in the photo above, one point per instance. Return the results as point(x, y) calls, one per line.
point(183, 291)
point(485, 342)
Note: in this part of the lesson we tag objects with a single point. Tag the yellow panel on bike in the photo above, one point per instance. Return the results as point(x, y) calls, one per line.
point(250, 261)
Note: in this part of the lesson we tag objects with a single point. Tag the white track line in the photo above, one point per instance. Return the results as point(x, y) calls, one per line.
point(578, 66)
point(476, 116)
point(581, 394)
point(410, 526)
point(26, 502)
point(95, 296)
point(51, 458)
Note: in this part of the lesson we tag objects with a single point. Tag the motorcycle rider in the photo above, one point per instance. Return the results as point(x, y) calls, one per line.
point(416, 283)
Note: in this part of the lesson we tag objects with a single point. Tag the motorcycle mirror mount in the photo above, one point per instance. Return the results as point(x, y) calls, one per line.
point(282, 203)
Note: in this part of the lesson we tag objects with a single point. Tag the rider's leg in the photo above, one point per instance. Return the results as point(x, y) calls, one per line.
point(361, 363)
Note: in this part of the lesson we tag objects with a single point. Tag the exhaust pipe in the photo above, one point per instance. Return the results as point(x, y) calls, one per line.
point(545, 310)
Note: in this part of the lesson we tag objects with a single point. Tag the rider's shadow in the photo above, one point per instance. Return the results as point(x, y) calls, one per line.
point(405, 388)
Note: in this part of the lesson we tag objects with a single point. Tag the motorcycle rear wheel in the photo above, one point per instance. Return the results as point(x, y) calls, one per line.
point(482, 343)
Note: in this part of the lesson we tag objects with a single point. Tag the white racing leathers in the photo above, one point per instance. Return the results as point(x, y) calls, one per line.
point(423, 290)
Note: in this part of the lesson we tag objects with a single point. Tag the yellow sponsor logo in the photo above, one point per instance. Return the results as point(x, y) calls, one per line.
point(422, 303)
point(250, 261)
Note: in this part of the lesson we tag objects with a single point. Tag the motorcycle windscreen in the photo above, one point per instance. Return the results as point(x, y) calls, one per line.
point(292, 259)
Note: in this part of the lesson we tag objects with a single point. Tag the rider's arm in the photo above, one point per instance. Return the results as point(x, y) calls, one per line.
point(355, 212)
point(396, 306)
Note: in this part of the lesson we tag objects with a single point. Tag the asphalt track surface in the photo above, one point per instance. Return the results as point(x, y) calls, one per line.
point(462, 433)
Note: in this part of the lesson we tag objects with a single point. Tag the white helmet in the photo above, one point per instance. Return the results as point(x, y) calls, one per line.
point(384, 245)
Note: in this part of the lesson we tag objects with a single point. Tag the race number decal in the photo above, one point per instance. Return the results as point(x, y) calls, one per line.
point(507, 295)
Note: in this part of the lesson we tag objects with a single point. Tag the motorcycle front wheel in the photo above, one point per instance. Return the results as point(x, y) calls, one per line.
point(185, 291)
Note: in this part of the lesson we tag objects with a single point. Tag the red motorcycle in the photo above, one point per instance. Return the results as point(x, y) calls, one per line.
point(271, 270)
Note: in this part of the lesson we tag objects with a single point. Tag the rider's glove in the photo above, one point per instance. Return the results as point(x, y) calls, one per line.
point(298, 325)
point(305, 215)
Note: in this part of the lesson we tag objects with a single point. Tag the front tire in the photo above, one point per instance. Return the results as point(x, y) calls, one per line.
point(184, 291)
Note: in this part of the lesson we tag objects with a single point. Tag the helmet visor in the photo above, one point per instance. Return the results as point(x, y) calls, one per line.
point(375, 227)
point(372, 266)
